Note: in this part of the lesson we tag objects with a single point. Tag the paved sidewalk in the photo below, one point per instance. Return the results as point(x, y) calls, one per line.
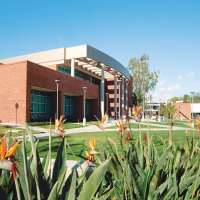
point(44, 133)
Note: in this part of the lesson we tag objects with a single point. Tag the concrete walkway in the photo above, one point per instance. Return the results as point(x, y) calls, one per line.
point(44, 133)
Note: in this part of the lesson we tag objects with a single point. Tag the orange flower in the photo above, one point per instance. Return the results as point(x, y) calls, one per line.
point(103, 121)
point(90, 153)
point(12, 149)
point(145, 137)
point(128, 136)
point(3, 148)
point(92, 143)
point(58, 126)
point(121, 126)
point(6, 156)
point(137, 111)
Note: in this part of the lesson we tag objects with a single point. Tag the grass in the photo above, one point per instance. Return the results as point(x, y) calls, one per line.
point(178, 123)
point(142, 125)
point(12, 131)
point(5, 129)
point(78, 142)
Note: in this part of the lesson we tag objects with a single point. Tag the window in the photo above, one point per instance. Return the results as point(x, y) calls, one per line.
point(65, 70)
point(69, 107)
point(79, 74)
point(40, 106)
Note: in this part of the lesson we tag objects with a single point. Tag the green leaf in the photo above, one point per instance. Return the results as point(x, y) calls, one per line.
point(72, 190)
point(60, 162)
point(92, 184)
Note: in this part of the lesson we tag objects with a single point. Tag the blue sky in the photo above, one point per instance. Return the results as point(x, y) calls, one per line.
point(168, 31)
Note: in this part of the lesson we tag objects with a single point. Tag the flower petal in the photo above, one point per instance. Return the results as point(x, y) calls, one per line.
point(12, 149)
point(3, 148)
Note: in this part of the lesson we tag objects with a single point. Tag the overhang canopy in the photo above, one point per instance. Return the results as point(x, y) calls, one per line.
point(85, 56)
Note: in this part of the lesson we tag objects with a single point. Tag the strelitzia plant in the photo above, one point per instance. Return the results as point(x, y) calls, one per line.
point(90, 153)
point(7, 153)
point(137, 113)
point(142, 171)
point(102, 122)
point(35, 180)
point(59, 126)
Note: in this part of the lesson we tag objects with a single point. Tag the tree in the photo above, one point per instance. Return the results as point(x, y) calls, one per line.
point(192, 97)
point(170, 111)
point(174, 99)
point(144, 80)
point(186, 98)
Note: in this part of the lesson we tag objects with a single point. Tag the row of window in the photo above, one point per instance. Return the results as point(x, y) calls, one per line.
point(79, 74)
point(41, 106)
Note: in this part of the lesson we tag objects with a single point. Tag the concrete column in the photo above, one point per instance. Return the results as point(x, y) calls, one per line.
point(126, 96)
point(119, 103)
point(122, 95)
point(102, 88)
point(115, 95)
point(72, 67)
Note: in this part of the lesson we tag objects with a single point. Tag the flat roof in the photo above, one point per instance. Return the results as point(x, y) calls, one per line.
point(195, 107)
point(86, 56)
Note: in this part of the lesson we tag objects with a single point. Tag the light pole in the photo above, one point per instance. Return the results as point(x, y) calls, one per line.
point(192, 106)
point(84, 96)
point(192, 93)
point(57, 84)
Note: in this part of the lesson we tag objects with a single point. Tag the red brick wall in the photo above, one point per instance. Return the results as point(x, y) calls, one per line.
point(17, 79)
point(43, 77)
point(183, 110)
point(12, 92)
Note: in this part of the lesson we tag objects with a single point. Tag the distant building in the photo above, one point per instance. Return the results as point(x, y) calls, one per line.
point(152, 110)
point(187, 110)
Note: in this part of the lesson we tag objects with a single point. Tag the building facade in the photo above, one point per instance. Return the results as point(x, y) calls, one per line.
point(29, 91)
point(186, 110)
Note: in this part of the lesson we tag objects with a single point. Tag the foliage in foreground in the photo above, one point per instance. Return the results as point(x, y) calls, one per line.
point(140, 171)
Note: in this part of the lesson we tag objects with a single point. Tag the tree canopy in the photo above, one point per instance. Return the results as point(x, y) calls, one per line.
point(188, 98)
point(144, 80)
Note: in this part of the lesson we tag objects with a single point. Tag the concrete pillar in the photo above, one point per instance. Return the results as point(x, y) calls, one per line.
point(115, 95)
point(72, 67)
point(126, 96)
point(102, 88)
point(119, 103)
point(122, 95)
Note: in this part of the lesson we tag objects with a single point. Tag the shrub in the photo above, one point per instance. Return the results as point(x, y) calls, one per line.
point(140, 171)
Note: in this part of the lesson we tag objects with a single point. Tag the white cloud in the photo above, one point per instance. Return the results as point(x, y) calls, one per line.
point(180, 77)
point(164, 92)
point(173, 88)
point(186, 76)
point(190, 75)
point(166, 89)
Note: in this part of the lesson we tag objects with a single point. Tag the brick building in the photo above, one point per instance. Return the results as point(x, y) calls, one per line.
point(29, 91)
point(186, 110)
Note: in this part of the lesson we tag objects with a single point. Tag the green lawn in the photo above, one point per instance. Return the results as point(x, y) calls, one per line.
point(135, 125)
point(8, 130)
point(12, 131)
point(178, 123)
point(78, 142)
point(67, 125)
